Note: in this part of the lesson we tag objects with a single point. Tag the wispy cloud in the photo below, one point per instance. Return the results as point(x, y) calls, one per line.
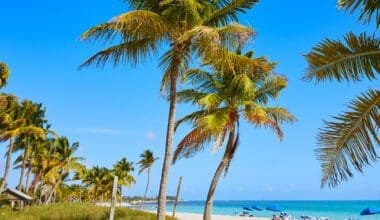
point(292, 186)
point(102, 131)
point(150, 135)
point(269, 189)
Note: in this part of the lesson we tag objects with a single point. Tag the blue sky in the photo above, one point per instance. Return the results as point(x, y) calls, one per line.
point(117, 112)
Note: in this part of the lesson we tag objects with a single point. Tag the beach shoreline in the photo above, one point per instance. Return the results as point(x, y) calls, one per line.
point(193, 216)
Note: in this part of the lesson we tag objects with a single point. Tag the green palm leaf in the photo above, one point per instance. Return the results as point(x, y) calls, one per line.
point(356, 58)
point(368, 9)
point(350, 139)
point(228, 11)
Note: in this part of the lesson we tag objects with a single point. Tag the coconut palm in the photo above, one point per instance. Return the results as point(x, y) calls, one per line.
point(234, 90)
point(351, 138)
point(146, 163)
point(186, 26)
point(36, 117)
point(4, 74)
point(99, 181)
point(65, 161)
point(14, 123)
point(122, 169)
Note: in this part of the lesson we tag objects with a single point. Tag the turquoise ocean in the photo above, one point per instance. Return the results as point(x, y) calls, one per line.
point(337, 210)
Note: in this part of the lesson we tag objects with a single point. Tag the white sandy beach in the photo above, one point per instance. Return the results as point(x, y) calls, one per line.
point(192, 216)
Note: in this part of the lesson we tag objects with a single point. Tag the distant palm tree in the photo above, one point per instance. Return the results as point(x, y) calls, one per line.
point(146, 163)
point(123, 169)
point(234, 90)
point(64, 161)
point(14, 123)
point(36, 117)
point(187, 27)
point(4, 74)
point(352, 137)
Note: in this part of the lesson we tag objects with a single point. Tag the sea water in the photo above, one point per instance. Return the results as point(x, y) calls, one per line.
point(337, 210)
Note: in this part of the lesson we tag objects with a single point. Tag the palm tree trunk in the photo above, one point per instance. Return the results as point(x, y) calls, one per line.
point(22, 173)
point(121, 195)
point(27, 180)
point(222, 165)
point(146, 188)
point(7, 165)
point(168, 147)
point(210, 195)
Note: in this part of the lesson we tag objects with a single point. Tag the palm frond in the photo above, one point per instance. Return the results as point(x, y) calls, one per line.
point(133, 52)
point(190, 96)
point(174, 63)
point(150, 5)
point(229, 11)
point(129, 26)
point(192, 143)
point(369, 9)
point(356, 58)
point(139, 32)
point(350, 139)
point(271, 88)
point(193, 117)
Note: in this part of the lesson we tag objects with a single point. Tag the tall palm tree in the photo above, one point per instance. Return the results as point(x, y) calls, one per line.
point(36, 117)
point(122, 169)
point(234, 90)
point(146, 162)
point(351, 139)
point(14, 123)
point(187, 26)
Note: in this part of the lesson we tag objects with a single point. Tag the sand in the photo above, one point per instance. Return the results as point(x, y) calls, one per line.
point(191, 216)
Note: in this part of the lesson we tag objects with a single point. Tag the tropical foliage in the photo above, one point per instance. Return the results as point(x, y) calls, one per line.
point(187, 27)
point(350, 140)
point(233, 91)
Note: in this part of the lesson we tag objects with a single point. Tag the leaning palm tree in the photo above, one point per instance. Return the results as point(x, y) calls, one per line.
point(187, 26)
point(146, 163)
point(122, 169)
point(231, 92)
point(351, 139)
point(14, 123)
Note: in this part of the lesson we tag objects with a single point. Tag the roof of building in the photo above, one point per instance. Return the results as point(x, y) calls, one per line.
point(18, 194)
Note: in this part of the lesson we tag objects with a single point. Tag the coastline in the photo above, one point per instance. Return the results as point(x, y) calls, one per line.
point(193, 216)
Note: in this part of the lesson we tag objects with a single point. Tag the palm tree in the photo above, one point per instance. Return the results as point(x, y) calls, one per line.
point(4, 75)
point(187, 27)
point(99, 181)
point(233, 91)
point(65, 161)
point(122, 169)
point(146, 163)
point(14, 123)
point(36, 117)
point(353, 135)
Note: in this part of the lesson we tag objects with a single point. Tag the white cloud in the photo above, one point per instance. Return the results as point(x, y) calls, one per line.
point(102, 131)
point(292, 186)
point(269, 189)
point(150, 135)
